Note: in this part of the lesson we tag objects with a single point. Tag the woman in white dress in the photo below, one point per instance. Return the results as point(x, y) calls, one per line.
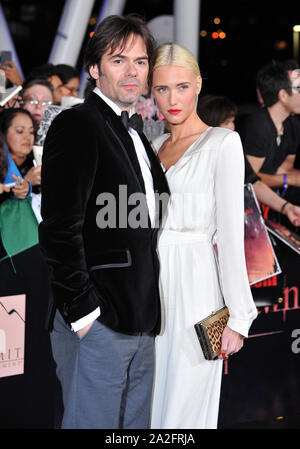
point(204, 167)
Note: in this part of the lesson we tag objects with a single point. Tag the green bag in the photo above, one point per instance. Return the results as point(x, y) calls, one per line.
point(18, 226)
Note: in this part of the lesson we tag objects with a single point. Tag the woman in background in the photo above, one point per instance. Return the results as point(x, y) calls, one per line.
point(35, 97)
point(28, 398)
point(17, 130)
point(204, 167)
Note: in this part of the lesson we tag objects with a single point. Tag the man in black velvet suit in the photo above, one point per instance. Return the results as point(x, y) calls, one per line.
point(99, 242)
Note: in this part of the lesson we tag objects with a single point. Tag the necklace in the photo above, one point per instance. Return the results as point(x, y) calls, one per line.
point(280, 132)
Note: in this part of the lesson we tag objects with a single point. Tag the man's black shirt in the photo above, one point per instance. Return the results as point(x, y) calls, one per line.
point(259, 138)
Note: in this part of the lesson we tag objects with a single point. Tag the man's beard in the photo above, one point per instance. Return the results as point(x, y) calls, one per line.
point(125, 104)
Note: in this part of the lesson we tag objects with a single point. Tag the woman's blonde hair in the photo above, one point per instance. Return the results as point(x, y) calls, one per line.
point(175, 54)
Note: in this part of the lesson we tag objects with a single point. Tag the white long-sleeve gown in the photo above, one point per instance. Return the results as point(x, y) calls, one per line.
point(207, 195)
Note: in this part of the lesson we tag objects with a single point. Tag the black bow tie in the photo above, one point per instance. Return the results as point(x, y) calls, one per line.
point(135, 121)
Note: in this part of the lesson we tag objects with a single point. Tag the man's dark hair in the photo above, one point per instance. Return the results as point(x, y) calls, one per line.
point(113, 32)
point(44, 71)
point(66, 72)
point(289, 64)
point(272, 78)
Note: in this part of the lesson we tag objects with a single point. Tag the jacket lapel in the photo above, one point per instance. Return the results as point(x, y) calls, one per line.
point(159, 179)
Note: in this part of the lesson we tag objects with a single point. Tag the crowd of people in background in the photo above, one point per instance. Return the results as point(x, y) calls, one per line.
point(45, 85)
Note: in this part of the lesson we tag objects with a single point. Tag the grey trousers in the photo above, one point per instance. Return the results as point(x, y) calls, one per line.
point(106, 377)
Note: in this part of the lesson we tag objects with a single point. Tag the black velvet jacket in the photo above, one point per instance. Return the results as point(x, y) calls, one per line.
point(88, 151)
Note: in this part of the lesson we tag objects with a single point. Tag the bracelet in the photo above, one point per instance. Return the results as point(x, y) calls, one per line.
point(283, 207)
point(285, 185)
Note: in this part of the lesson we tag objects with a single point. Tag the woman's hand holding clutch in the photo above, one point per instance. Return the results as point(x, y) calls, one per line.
point(232, 342)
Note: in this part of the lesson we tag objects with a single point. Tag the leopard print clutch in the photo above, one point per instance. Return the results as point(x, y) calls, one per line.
point(209, 332)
